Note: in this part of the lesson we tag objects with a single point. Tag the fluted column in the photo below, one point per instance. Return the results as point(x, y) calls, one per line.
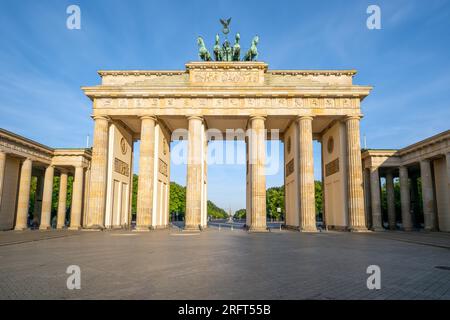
point(77, 199)
point(38, 194)
point(257, 150)
point(306, 175)
point(357, 219)
point(24, 195)
point(99, 163)
point(2, 173)
point(429, 213)
point(145, 180)
point(377, 222)
point(47, 198)
point(405, 199)
point(62, 199)
point(194, 174)
point(390, 197)
point(367, 200)
point(447, 158)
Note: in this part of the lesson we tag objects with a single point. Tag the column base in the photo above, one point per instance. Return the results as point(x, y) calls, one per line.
point(60, 227)
point(192, 228)
point(407, 229)
point(257, 229)
point(95, 227)
point(74, 228)
point(44, 227)
point(377, 229)
point(142, 229)
point(308, 229)
point(358, 229)
point(20, 228)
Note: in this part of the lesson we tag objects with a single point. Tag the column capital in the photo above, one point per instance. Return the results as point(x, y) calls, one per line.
point(101, 117)
point(425, 161)
point(148, 116)
point(194, 117)
point(353, 117)
point(255, 117)
point(62, 170)
point(304, 118)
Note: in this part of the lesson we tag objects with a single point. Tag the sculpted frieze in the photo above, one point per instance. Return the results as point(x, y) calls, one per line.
point(231, 102)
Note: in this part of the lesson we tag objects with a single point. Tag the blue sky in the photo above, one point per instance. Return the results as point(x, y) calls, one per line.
point(43, 64)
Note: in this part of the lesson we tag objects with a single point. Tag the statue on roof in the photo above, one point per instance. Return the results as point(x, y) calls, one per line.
point(226, 52)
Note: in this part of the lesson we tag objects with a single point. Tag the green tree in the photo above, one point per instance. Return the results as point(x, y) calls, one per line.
point(275, 200)
point(318, 194)
point(134, 196)
point(215, 212)
point(240, 214)
point(177, 199)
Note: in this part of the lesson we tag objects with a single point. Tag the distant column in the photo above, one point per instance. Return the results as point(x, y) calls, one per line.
point(357, 219)
point(429, 213)
point(447, 158)
point(367, 200)
point(99, 163)
point(2, 173)
point(77, 199)
point(47, 199)
point(377, 223)
point(405, 199)
point(24, 195)
point(257, 150)
point(62, 199)
point(390, 197)
point(145, 181)
point(306, 175)
point(194, 174)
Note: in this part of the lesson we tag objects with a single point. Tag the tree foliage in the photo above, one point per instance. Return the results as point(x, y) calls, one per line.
point(177, 199)
point(240, 214)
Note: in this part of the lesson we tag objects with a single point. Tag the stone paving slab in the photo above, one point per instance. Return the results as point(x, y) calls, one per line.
point(16, 237)
point(169, 264)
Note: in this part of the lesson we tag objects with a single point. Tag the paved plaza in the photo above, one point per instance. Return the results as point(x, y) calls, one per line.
point(225, 264)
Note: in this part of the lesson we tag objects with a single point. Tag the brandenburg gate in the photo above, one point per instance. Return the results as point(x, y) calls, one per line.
point(147, 105)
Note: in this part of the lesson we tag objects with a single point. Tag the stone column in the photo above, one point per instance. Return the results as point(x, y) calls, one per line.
point(62, 198)
point(447, 158)
point(99, 166)
point(377, 222)
point(414, 200)
point(46, 212)
point(405, 199)
point(194, 174)
point(2, 173)
point(367, 200)
point(357, 219)
point(24, 195)
point(429, 213)
point(77, 199)
point(257, 150)
point(38, 194)
point(146, 168)
point(306, 175)
point(390, 198)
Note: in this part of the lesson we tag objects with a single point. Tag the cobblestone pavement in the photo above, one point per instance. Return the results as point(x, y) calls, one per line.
point(169, 264)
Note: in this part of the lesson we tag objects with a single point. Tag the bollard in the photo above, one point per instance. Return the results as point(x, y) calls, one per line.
point(219, 226)
point(232, 227)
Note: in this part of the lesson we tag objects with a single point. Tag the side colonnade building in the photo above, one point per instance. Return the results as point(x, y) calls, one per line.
point(427, 161)
point(20, 160)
